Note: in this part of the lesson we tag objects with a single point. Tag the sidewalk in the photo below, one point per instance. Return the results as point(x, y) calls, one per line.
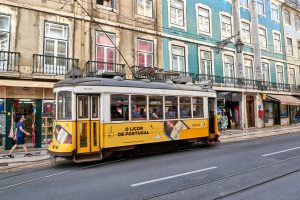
point(41, 155)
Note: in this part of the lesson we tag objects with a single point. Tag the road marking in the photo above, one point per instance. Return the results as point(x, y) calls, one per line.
point(174, 176)
point(269, 154)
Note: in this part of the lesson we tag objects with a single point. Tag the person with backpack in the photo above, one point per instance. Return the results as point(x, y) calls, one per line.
point(20, 135)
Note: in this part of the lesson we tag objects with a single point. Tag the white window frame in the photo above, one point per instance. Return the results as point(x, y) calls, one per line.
point(197, 6)
point(271, 10)
point(291, 51)
point(252, 66)
point(109, 8)
point(185, 58)
point(144, 52)
point(184, 27)
point(268, 63)
point(211, 59)
point(7, 32)
point(264, 7)
point(277, 33)
point(266, 31)
point(276, 69)
point(243, 5)
point(105, 46)
point(289, 23)
point(250, 31)
point(221, 22)
point(144, 9)
point(297, 23)
point(289, 77)
point(223, 62)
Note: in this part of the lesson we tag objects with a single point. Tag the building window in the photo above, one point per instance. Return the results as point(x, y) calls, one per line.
point(248, 69)
point(229, 66)
point(297, 23)
point(4, 32)
point(105, 51)
point(178, 58)
point(107, 3)
point(246, 35)
point(287, 17)
point(204, 20)
point(55, 48)
point(277, 42)
point(274, 12)
point(244, 3)
point(263, 37)
point(177, 12)
point(205, 63)
point(226, 26)
point(145, 8)
point(289, 46)
point(145, 53)
point(279, 75)
point(261, 7)
point(265, 72)
point(292, 76)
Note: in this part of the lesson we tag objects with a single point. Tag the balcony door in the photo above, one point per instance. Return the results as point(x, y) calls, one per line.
point(4, 41)
point(205, 70)
point(229, 70)
point(55, 49)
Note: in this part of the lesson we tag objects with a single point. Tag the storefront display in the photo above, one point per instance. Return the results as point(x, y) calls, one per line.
point(283, 111)
point(48, 121)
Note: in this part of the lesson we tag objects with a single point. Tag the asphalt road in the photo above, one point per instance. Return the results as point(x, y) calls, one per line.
point(267, 168)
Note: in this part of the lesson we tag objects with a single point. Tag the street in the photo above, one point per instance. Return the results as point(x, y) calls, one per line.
point(266, 168)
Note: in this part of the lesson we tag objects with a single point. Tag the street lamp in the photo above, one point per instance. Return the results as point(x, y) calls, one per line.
point(239, 45)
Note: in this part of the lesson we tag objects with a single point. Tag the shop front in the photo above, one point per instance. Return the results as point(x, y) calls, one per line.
point(36, 103)
point(229, 103)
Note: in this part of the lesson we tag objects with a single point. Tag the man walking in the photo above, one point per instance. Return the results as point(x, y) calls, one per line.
point(20, 138)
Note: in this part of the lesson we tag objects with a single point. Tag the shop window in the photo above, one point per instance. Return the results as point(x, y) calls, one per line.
point(198, 107)
point(64, 105)
point(138, 107)
point(48, 120)
point(155, 108)
point(269, 111)
point(185, 107)
point(119, 107)
point(171, 107)
point(284, 111)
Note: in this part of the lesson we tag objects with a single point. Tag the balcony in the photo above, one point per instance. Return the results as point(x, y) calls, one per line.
point(52, 67)
point(231, 82)
point(9, 63)
point(104, 69)
point(293, 3)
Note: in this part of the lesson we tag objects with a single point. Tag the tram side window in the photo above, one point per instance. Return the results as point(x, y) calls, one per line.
point(155, 108)
point(83, 107)
point(198, 107)
point(138, 107)
point(185, 107)
point(64, 105)
point(119, 107)
point(171, 105)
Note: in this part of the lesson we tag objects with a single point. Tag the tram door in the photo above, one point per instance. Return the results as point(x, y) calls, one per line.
point(88, 131)
point(211, 113)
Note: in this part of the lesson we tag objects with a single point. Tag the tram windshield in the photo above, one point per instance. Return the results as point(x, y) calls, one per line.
point(64, 105)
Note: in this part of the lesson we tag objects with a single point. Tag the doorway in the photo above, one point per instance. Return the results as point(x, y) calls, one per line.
point(250, 111)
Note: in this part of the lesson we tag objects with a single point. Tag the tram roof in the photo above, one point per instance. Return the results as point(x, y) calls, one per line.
point(97, 81)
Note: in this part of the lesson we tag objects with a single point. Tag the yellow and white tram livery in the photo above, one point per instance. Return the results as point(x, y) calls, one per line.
point(97, 115)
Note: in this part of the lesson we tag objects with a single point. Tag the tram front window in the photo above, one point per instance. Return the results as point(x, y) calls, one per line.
point(119, 107)
point(64, 105)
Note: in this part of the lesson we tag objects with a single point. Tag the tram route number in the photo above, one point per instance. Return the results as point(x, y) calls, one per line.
point(131, 131)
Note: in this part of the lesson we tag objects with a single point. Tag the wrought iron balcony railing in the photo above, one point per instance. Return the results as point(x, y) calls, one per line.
point(153, 73)
point(104, 69)
point(9, 61)
point(53, 65)
point(246, 83)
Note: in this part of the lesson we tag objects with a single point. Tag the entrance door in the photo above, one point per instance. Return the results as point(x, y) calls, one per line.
point(211, 112)
point(250, 111)
point(88, 124)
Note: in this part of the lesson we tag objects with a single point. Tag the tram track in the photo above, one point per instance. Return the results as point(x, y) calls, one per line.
point(155, 196)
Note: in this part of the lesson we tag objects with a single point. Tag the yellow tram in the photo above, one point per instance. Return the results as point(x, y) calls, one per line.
point(98, 116)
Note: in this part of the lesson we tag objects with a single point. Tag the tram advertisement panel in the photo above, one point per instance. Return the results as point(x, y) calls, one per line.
point(151, 132)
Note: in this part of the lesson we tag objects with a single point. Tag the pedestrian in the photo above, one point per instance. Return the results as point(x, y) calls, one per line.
point(224, 122)
point(20, 138)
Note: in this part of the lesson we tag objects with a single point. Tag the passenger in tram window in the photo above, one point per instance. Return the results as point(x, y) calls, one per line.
point(115, 114)
point(170, 113)
point(142, 113)
point(126, 113)
point(135, 113)
point(154, 114)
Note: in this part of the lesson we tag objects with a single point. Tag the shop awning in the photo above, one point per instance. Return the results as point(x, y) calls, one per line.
point(286, 99)
point(26, 83)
